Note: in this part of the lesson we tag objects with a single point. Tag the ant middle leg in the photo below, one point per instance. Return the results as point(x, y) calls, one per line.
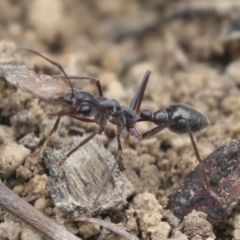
point(79, 145)
point(106, 180)
point(101, 121)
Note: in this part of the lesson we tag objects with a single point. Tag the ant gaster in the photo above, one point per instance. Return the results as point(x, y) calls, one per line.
point(83, 106)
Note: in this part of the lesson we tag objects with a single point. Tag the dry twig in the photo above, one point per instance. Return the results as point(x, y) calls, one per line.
point(13, 204)
point(110, 226)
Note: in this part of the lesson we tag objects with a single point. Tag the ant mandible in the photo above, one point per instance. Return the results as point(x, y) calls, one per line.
point(83, 106)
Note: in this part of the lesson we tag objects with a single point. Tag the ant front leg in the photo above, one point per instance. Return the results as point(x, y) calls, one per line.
point(55, 126)
point(100, 119)
point(54, 129)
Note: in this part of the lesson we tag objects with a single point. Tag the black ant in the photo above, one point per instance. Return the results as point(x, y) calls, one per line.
point(83, 106)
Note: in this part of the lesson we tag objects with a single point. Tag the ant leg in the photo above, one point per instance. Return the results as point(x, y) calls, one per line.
point(118, 157)
point(198, 156)
point(55, 126)
point(96, 80)
point(159, 128)
point(204, 174)
point(68, 112)
point(168, 124)
point(137, 98)
point(79, 145)
point(54, 129)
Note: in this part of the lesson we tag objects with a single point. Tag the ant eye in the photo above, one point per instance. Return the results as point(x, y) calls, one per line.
point(84, 110)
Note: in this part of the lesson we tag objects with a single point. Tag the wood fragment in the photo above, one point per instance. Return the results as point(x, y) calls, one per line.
point(75, 185)
point(223, 168)
point(41, 86)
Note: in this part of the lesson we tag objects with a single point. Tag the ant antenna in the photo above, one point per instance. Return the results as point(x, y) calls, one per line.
point(54, 63)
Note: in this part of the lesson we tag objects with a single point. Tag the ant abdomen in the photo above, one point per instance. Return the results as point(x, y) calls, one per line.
point(197, 121)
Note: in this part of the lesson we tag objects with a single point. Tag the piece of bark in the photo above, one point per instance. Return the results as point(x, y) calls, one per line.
point(41, 86)
point(15, 72)
point(75, 185)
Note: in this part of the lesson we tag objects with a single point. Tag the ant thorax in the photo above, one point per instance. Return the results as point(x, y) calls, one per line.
point(110, 106)
point(130, 115)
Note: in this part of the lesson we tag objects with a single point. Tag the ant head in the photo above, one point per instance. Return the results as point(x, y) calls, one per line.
point(84, 103)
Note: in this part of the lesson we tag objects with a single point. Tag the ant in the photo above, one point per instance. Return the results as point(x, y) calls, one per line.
point(83, 106)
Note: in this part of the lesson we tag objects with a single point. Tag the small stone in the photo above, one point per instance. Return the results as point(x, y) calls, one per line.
point(87, 230)
point(148, 213)
point(10, 230)
point(195, 225)
point(28, 234)
point(12, 156)
point(41, 203)
point(37, 185)
point(19, 189)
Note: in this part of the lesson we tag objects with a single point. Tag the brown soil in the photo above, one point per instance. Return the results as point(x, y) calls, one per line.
point(194, 60)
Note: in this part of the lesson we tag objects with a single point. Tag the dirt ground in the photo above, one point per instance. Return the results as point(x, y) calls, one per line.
point(192, 50)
